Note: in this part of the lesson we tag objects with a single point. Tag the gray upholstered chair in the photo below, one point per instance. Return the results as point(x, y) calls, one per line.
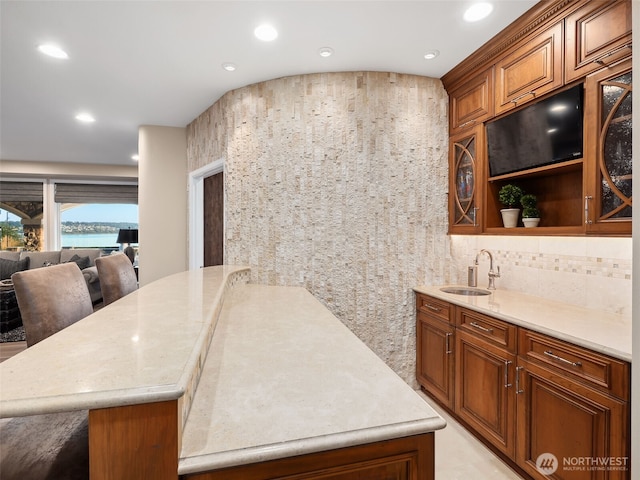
point(117, 277)
point(50, 299)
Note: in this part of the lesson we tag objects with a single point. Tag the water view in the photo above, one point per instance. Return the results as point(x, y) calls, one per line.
point(89, 240)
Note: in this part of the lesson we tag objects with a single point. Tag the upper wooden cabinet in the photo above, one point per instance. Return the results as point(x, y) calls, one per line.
point(472, 103)
point(609, 169)
point(530, 70)
point(465, 181)
point(556, 45)
point(596, 35)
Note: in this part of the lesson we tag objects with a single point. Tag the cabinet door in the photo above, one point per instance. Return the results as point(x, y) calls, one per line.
point(485, 397)
point(597, 35)
point(609, 173)
point(573, 423)
point(529, 71)
point(465, 181)
point(473, 102)
point(435, 359)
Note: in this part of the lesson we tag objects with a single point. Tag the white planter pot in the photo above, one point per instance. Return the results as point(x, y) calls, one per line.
point(510, 217)
point(530, 222)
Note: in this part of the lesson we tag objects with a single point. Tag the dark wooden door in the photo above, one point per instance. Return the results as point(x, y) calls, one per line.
point(213, 220)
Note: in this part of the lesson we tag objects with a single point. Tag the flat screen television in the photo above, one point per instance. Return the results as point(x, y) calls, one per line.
point(546, 132)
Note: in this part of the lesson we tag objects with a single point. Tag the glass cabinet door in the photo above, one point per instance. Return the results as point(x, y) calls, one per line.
point(464, 183)
point(609, 204)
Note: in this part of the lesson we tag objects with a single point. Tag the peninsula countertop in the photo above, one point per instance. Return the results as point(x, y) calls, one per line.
point(143, 348)
point(603, 332)
point(285, 377)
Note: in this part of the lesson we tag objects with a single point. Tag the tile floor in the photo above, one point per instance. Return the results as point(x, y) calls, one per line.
point(459, 456)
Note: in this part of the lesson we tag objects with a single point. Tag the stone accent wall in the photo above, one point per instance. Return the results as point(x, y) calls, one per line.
point(337, 182)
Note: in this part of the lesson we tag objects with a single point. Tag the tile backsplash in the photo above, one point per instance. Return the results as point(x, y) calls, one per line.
point(590, 272)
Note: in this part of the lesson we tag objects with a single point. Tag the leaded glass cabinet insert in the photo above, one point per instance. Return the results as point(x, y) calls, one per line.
point(464, 195)
point(614, 156)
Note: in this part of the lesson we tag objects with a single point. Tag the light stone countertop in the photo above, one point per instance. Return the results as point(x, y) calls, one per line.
point(285, 377)
point(143, 348)
point(602, 332)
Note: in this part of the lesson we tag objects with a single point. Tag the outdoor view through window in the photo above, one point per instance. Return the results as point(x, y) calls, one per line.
point(81, 226)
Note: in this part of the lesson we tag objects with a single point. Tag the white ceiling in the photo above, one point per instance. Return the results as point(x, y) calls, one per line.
point(137, 63)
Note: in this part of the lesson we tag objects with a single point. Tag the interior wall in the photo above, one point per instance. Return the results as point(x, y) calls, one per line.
point(162, 216)
point(337, 182)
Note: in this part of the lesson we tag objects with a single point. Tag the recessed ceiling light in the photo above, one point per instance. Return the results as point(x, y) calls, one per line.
point(266, 33)
point(135, 157)
point(431, 54)
point(478, 11)
point(85, 118)
point(325, 52)
point(229, 67)
point(52, 51)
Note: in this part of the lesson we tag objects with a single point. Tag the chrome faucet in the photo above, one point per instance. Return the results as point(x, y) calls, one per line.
point(492, 273)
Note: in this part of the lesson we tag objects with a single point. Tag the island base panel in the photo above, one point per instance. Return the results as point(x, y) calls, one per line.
point(409, 458)
point(134, 442)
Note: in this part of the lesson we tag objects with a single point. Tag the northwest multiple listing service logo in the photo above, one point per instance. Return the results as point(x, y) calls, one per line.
point(547, 464)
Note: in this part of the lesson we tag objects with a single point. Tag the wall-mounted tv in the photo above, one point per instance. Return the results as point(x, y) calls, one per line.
point(546, 132)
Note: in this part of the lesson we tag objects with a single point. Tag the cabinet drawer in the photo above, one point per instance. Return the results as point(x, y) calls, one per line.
point(605, 373)
point(491, 329)
point(432, 306)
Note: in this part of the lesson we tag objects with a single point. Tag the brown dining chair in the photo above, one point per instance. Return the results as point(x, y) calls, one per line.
point(50, 299)
point(117, 277)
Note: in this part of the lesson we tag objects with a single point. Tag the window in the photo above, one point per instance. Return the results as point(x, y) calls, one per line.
point(94, 224)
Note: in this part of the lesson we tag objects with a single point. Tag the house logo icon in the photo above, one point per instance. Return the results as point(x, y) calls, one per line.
point(546, 463)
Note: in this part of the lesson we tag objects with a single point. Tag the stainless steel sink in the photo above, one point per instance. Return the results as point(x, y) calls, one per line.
point(469, 291)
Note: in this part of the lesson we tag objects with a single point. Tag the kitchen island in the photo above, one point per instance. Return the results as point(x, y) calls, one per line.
point(199, 375)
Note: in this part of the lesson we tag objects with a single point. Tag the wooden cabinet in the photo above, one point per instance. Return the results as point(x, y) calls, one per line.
point(572, 403)
point(556, 45)
point(465, 181)
point(609, 172)
point(484, 390)
point(434, 344)
point(472, 103)
point(529, 71)
point(526, 393)
point(597, 35)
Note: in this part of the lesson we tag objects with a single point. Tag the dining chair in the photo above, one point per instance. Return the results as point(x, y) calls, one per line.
point(50, 299)
point(117, 277)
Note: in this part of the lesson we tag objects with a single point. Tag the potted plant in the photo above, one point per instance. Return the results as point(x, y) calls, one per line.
point(510, 195)
point(530, 212)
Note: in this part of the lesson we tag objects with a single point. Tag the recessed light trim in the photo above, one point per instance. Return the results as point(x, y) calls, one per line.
point(478, 11)
point(229, 67)
point(266, 33)
point(52, 51)
point(325, 52)
point(431, 54)
point(85, 117)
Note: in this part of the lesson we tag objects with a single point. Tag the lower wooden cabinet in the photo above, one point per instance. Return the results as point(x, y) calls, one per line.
point(484, 390)
point(574, 423)
point(542, 403)
point(435, 344)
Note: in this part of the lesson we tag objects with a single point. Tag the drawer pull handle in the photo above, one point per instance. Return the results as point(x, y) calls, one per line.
point(470, 122)
point(549, 353)
point(518, 389)
point(515, 100)
point(448, 343)
point(600, 60)
point(431, 307)
point(480, 327)
point(506, 373)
